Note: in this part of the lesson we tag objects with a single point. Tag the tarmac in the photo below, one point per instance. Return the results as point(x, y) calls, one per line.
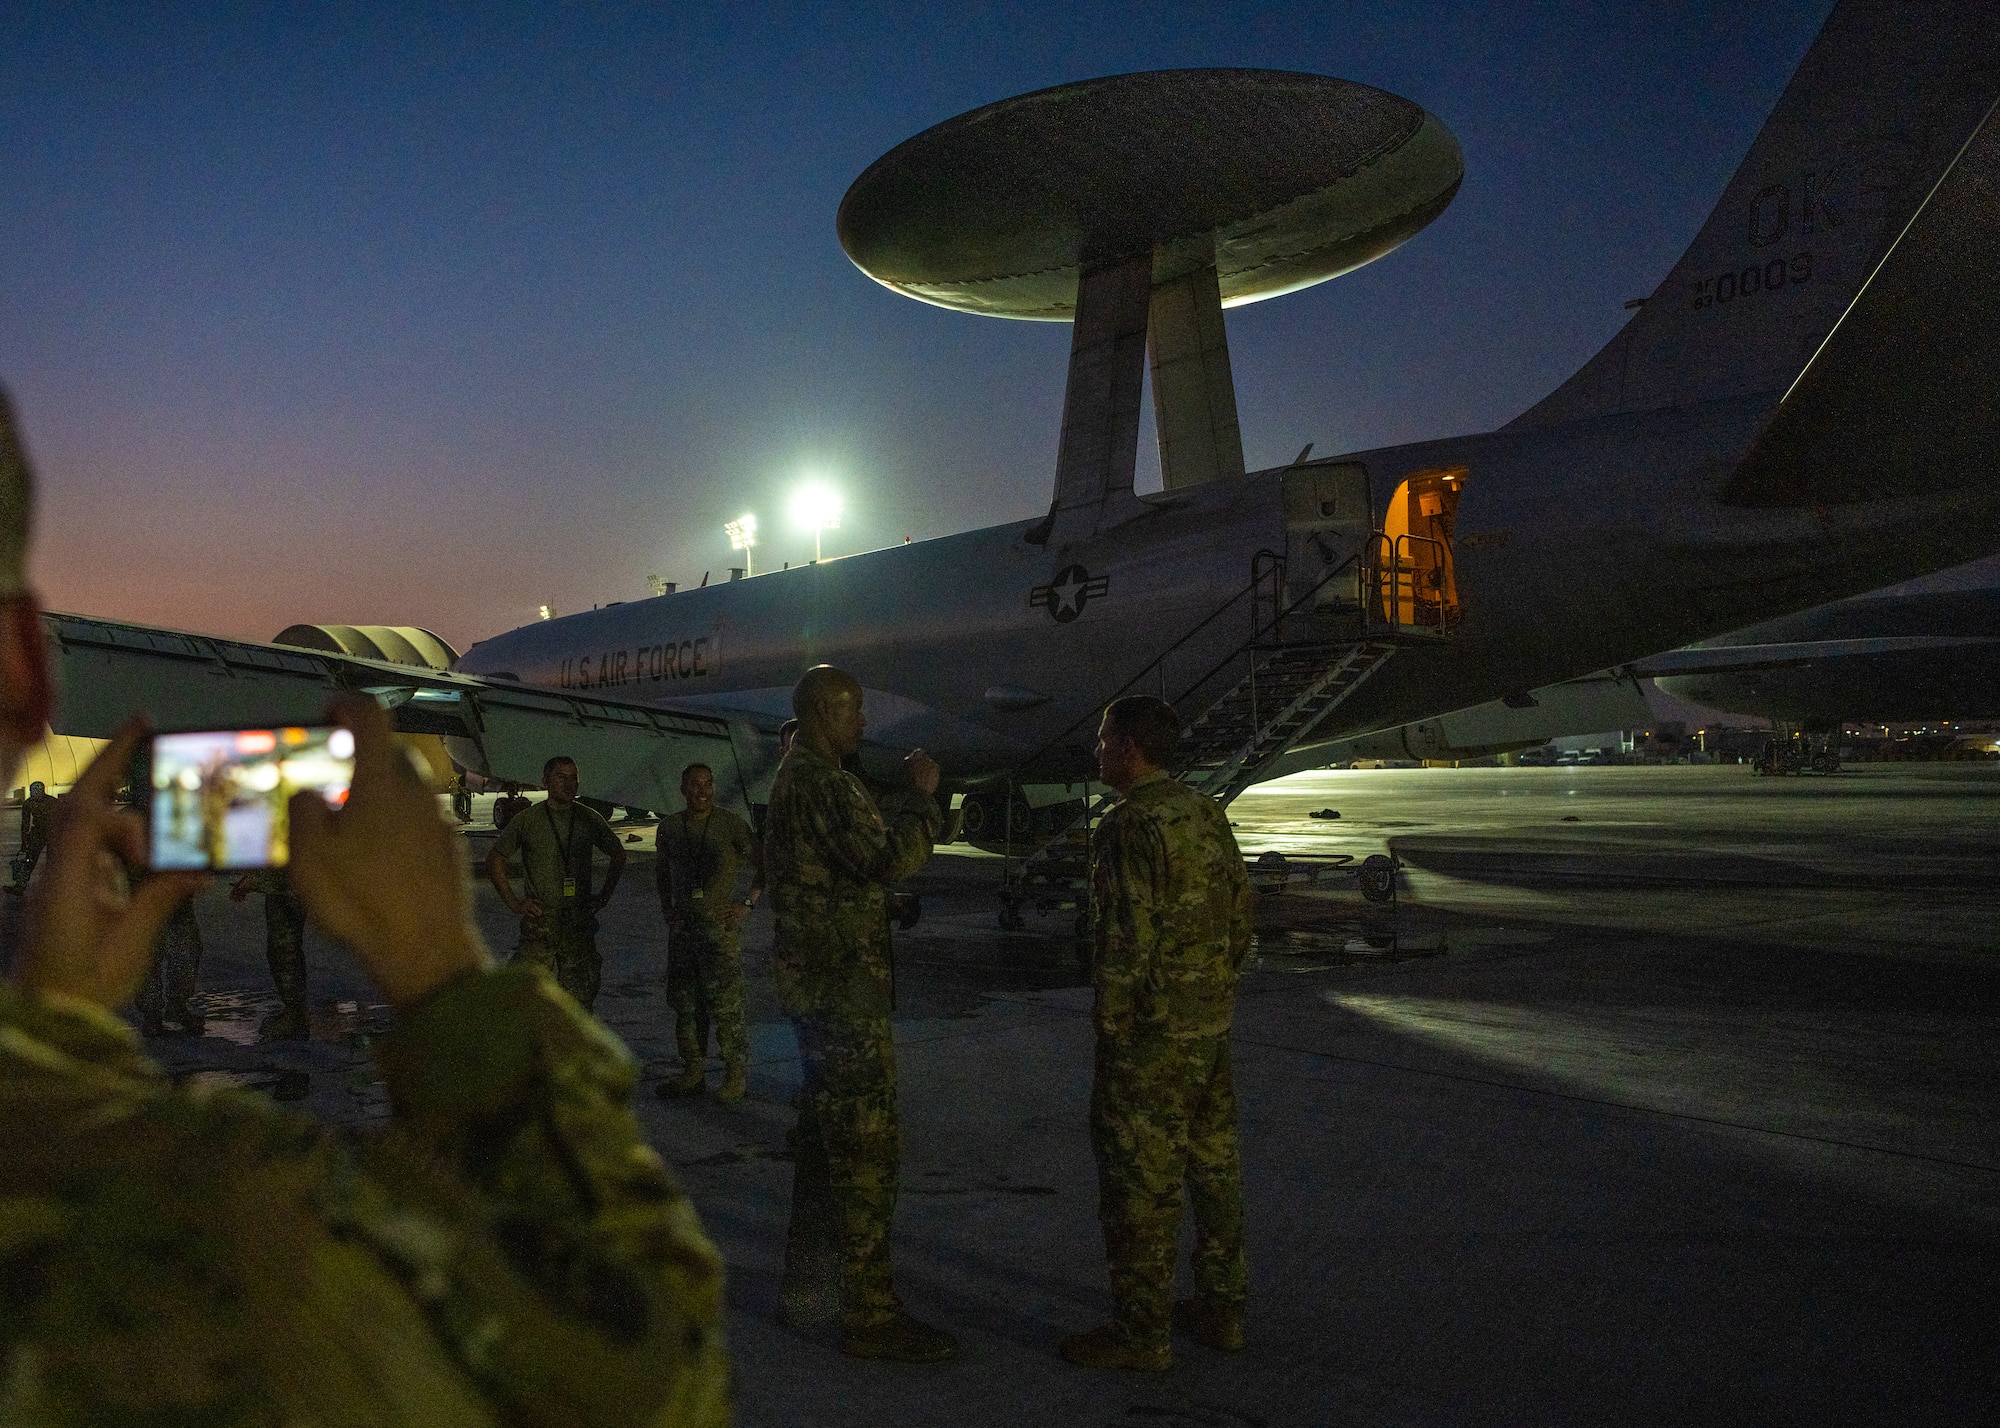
point(1660, 1095)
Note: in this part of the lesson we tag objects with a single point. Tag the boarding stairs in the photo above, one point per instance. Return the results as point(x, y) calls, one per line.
point(1296, 672)
point(1288, 691)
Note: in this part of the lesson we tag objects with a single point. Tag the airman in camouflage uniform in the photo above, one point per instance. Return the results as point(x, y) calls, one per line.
point(829, 850)
point(701, 848)
point(509, 1251)
point(167, 994)
point(559, 914)
point(38, 811)
point(1172, 905)
point(284, 950)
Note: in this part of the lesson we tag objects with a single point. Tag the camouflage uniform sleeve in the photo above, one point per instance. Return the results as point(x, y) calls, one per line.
point(877, 846)
point(512, 1210)
point(81, 1031)
point(524, 1100)
point(1129, 871)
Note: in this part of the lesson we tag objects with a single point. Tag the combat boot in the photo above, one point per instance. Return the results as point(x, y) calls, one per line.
point(1109, 1347)
point(735, 1083)
point(694, 1060)
point(291, 1024)
point(689, 1083)
point(1214, 1322)
point(899, 1339)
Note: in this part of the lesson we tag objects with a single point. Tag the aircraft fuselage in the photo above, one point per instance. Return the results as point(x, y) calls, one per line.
point(1577, 547)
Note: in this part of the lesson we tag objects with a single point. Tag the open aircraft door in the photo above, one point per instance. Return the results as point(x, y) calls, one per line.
point(1418, 588)
point(1329, 521)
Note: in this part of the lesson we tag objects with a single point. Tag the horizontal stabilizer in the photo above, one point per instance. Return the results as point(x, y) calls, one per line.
point(626, 754)
point(1744, 659)
point(1899, 401)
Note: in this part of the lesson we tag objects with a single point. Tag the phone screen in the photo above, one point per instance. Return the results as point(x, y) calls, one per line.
point(220, 796)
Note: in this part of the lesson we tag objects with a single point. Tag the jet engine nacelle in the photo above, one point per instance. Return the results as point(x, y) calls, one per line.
point(398, 644)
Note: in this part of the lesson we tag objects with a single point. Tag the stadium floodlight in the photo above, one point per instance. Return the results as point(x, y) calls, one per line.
point(817, 507)
point(743, 536)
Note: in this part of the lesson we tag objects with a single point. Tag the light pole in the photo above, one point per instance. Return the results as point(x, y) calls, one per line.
point(819, 508)
point(743, 537)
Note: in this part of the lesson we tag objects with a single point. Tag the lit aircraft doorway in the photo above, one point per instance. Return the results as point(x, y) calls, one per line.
point(1418, 585)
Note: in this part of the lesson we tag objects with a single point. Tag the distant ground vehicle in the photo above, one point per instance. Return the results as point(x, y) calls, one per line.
point(1536, 758)
point(1798, 753)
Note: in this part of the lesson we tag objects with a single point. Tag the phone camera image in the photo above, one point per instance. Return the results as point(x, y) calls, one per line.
point(221, 798)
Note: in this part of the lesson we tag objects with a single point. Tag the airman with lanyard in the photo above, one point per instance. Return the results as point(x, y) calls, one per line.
point(559, 914)
point(702, 848)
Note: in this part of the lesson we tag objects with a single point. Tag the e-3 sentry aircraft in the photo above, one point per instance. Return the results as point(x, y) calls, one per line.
point(1802, 410)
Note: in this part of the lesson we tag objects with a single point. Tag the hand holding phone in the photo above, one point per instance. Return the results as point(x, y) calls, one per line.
point(220, 799)
point(385, 873)
point(86, 932)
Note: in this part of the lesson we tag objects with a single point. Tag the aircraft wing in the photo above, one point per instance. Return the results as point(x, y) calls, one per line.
point(626, 753)
point(1741, 659)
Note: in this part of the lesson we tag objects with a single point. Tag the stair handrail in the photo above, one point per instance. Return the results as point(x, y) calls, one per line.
point(1257, 633)
point(1008, 876)
point(1153, 664)
point(1278, 619)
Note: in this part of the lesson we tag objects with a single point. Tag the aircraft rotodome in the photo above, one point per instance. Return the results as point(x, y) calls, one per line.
point(1799, 412)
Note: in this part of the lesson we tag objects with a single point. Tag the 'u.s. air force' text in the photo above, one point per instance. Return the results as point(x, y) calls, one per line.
point(648, 664)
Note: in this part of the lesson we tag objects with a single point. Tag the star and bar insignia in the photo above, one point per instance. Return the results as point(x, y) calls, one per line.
point(1065, 596)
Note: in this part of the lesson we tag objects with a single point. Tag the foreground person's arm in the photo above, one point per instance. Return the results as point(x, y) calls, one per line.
point(882, 844)
point(499, 1078)
point(510, 1251)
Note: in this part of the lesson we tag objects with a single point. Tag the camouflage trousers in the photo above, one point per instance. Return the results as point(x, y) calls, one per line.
point(1163, 1115)
point(564, 944)
point(847, 1154)
point(175, 975)
point(705, 984)
point(285, 948)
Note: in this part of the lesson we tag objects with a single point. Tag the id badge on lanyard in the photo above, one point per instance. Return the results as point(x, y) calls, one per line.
point(562, 847)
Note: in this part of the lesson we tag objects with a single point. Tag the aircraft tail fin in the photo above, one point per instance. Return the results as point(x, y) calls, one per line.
point(1898, 403)
point(1881, 103)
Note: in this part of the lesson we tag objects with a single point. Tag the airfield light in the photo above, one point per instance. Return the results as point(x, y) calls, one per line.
point(817, 507)
point(743, 536)
point(546, 612)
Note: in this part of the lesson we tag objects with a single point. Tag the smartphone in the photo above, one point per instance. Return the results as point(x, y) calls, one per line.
point(218, 799)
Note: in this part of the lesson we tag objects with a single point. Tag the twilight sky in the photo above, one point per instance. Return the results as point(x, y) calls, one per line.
point(428, 314)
